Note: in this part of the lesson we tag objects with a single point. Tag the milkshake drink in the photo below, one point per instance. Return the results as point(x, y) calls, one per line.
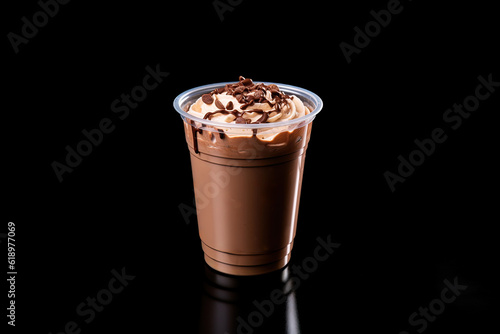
point(247, 143)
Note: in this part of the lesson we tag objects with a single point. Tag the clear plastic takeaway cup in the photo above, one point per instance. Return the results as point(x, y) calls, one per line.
point(247, 182)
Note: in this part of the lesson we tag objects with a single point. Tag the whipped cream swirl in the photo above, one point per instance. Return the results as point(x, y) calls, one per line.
point(245, 102)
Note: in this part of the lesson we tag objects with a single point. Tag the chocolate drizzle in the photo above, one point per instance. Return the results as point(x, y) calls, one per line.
point(195, 132)
point(236, 113)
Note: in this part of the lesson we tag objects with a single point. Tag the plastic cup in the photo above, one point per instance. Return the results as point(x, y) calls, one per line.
point(247, 182)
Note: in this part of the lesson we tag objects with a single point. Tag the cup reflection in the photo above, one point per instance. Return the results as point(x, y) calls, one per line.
point(248, 304)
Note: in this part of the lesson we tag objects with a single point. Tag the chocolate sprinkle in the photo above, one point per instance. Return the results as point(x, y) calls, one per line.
point(247, 93)
point(219, 104)
point(240, 120)
point(247, 82)
point(240, 89)
point(207, 98)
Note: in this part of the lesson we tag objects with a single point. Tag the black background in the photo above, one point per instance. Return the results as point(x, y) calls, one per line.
point(120, 207)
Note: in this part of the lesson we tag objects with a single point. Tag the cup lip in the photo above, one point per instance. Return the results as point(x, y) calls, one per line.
point(312, 100)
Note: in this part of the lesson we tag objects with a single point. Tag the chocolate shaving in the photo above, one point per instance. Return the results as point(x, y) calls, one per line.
point(206, 98)
point(247, 93)
point(240, 89)
point(241, 120)
point(219, 104)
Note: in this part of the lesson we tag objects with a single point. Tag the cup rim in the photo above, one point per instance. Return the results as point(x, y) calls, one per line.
point(309, 98)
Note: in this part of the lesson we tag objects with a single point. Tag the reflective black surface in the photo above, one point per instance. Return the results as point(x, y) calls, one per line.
point(232, 304)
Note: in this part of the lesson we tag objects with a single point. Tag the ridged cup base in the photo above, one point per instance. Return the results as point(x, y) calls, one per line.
point(247, 264)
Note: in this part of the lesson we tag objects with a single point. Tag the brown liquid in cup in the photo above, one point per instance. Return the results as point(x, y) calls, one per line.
point(247, 196)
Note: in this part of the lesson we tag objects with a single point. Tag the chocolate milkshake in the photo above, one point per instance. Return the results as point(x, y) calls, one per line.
point(247, 142)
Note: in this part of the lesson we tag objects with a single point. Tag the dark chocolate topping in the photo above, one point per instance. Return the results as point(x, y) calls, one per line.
point(195, 132)
point(247, 93)
point(219, 104)
point(207, 99)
